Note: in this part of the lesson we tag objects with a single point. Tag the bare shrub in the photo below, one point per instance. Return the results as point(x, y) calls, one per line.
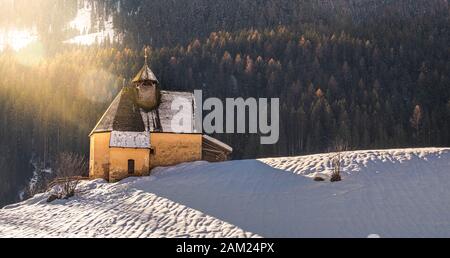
point(69, 169)
point(336, 175)
point(336, 160)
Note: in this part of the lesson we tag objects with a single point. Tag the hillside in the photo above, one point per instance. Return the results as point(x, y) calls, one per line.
point(373, 74)
point(390, 193)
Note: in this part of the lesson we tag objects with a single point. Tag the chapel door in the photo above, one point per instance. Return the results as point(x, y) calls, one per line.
point(131, 167)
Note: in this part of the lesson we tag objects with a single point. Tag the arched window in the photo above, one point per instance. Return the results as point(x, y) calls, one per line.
point(131, 165)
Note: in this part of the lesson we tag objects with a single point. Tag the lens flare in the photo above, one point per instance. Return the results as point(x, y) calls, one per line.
point(16, 39)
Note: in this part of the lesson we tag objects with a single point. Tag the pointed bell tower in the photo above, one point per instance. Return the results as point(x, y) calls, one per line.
point(148, 88)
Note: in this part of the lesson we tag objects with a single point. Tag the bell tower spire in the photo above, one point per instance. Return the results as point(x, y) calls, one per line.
point(145, 75)
point(147, 86)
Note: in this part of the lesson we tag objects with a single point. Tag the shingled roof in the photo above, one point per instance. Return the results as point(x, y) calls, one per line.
point(124, 115)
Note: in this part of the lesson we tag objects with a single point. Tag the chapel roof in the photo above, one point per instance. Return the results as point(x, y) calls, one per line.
point(124, 115)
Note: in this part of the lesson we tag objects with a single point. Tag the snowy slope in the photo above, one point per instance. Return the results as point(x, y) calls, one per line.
point(83, 23)
point(392, 193)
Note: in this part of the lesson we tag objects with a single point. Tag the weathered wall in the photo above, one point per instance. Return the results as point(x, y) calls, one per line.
point(171, 149)
point(148, 96)
point(99, 156)
point(119, 163)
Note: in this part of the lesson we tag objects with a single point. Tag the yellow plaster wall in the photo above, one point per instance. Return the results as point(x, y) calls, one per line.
point(119, 163)
point(171, 149)
point(99, 155)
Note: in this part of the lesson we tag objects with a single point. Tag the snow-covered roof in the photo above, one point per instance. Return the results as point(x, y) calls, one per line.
point(165, 114)
point(218, 143)
point(124, 115)
point(138, 140)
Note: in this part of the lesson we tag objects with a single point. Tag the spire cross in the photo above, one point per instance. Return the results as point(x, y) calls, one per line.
point(146, 54)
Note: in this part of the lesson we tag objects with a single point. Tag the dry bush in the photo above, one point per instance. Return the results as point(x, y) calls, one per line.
point(336, 164)
point(69, 168)
point(336, 160)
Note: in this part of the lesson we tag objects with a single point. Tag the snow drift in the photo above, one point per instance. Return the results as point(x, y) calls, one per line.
point(390, 193)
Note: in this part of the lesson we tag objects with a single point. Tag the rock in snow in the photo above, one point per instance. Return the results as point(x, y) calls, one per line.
point(384, 193)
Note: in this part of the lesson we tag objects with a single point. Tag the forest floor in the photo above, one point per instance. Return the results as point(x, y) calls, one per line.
point(385, 193)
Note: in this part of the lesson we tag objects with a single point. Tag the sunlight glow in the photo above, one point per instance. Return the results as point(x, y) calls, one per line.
point(16, 39)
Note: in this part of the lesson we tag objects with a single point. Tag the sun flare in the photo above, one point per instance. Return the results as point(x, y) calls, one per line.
point(16, 39)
